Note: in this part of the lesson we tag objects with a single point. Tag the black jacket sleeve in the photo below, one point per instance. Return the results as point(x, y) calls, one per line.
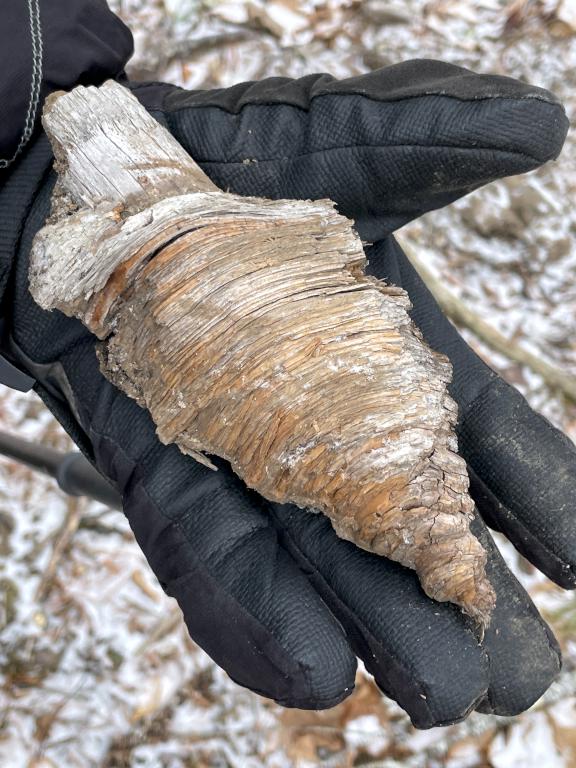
point(45, 46)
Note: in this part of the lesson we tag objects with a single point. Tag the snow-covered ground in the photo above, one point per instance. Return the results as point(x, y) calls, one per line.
point(96, 668)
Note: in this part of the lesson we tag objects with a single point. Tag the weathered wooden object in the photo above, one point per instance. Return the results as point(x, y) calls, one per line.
point(249, 330)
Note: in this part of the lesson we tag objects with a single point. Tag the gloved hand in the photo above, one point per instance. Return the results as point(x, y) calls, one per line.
point(269, 591)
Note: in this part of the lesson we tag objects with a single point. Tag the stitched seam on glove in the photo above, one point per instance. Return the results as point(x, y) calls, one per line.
point(263, 101)
point(385, 147)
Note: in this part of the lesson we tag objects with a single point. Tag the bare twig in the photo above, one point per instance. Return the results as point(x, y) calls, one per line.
point(163, 627)
point(457, 311)
point(188, 49)
point(62, 539)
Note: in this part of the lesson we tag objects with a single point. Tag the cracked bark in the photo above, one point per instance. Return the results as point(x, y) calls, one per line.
point(248, 329)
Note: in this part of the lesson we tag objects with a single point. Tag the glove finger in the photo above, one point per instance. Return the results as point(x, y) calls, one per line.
point(386, 146)
point(523, 653)
point(522, 469)
point(424, 654)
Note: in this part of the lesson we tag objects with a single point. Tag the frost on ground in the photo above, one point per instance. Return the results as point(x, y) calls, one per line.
point(96, 668)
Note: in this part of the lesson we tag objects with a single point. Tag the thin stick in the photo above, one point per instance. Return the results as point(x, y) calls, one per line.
point(165, 626)
point(62, 540)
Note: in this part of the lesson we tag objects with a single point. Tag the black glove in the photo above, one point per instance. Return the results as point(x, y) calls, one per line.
point(269, 591)
point(45, 46)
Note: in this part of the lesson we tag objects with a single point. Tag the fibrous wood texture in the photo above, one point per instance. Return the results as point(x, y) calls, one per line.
point(248, 329)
